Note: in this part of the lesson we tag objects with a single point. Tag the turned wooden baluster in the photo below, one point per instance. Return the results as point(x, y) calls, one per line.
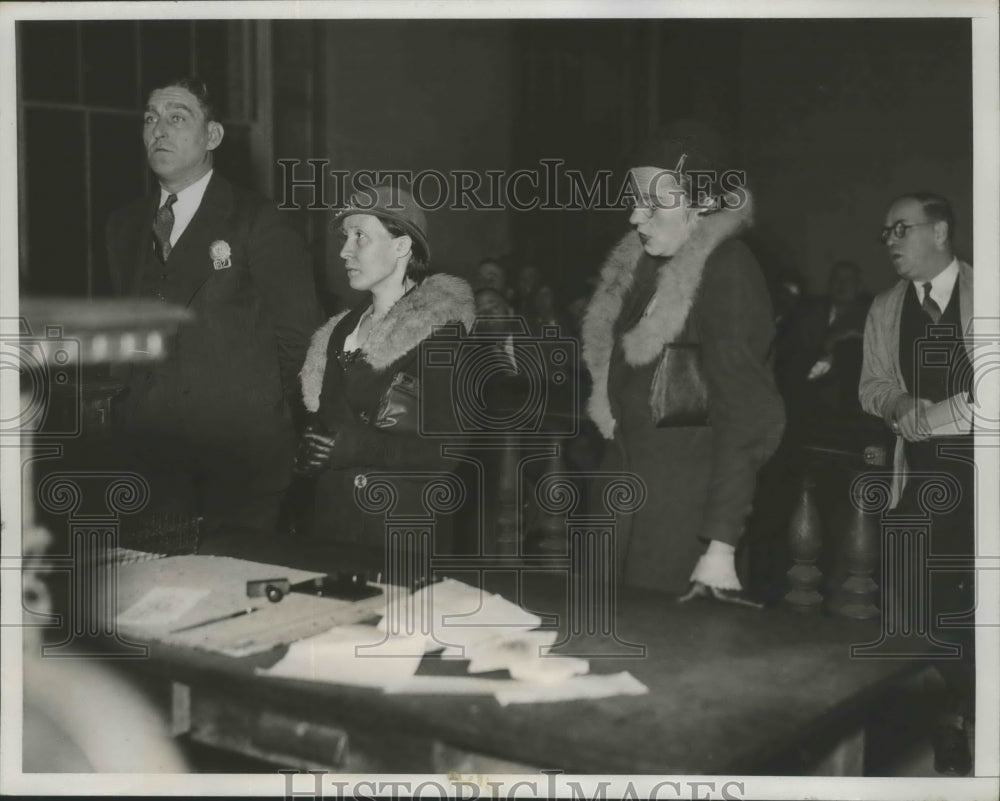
point(856, 598)
point(508, 522)
point(805, 539)
point(551, 527)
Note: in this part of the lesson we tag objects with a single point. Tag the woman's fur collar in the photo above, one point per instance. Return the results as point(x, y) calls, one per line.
point(439, 300)
point(677, 286)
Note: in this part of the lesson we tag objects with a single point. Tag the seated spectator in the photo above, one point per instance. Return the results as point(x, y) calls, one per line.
point(825, 336)
point(495, 319)
point(528, 280)
point(490, 274)
point(545, 312)
point(786, 294)
point(818, 369)
point(491, 303)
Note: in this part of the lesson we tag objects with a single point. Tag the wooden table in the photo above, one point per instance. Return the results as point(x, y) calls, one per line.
point(732, 691)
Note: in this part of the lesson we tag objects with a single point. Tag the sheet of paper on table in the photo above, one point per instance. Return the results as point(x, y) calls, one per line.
point(456, 616)
point(495, 635)
point(161, 607)
point(505, 651)
point(523, 692)
point(160, 597)
point(340, 656)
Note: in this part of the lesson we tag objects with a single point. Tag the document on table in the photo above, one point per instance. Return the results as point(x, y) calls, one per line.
point(508, 691)
point(455, 615)
point(161, 607)
point(201, 602)
point(488, 630)
point(350, 655)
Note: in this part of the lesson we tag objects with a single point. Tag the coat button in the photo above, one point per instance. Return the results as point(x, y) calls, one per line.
point(361, 481)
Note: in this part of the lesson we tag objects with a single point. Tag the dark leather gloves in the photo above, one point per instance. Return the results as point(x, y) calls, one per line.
point(315, 451)
point(350, 446)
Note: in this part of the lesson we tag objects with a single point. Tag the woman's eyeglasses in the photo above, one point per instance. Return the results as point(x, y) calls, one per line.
point(899, 229)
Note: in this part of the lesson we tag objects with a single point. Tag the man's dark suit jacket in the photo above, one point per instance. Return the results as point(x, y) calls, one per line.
point(224, 394)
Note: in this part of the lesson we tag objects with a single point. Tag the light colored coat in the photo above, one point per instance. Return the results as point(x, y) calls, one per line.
point(882, 383)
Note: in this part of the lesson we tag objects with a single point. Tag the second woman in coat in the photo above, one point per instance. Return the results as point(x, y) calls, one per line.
point(681, 314)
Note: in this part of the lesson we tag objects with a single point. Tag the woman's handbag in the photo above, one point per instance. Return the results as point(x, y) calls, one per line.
point(400, 405)
point(679, 396)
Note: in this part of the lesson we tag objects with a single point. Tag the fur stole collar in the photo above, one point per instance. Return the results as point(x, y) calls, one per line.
point(439, 300)
point(677, 285)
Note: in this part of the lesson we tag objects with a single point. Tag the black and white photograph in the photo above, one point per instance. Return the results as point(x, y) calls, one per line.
point(500, 400)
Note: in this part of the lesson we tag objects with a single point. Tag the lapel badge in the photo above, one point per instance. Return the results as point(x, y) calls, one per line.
point(220, 252)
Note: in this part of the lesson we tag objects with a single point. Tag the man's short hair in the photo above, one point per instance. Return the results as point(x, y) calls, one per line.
point(195, 86)
point(936, 207)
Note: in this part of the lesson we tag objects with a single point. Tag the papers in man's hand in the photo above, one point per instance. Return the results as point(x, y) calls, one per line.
point(951, 416)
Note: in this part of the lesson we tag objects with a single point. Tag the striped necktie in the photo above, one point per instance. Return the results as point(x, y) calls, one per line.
point(930, 305)
point(163, 224)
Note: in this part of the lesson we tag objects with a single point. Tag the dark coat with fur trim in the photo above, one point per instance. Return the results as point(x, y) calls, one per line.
point(699, 480)
point(345, 399)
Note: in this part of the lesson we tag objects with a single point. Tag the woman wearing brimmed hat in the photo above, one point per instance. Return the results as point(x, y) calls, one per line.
point(361, 377)
point(677, 338)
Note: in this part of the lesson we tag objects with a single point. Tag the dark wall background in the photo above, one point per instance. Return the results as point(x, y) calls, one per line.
point(838, 117)
point(416, 95)
point(830, 119)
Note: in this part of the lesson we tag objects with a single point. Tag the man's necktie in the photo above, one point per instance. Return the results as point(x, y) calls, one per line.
point(163, 224)
point(930, 305)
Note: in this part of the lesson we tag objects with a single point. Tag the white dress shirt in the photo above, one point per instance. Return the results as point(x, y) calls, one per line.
point(942, 285)
point(188, 201)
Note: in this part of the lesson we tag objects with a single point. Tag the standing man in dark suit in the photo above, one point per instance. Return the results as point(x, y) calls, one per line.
point(923, 401)
point(211, 426)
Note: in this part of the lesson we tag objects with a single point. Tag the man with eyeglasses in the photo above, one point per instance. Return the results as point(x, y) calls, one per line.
point(917, 376)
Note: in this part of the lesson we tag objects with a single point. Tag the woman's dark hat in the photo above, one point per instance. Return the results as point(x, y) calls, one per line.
point(685, 146)
point(390, 204)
